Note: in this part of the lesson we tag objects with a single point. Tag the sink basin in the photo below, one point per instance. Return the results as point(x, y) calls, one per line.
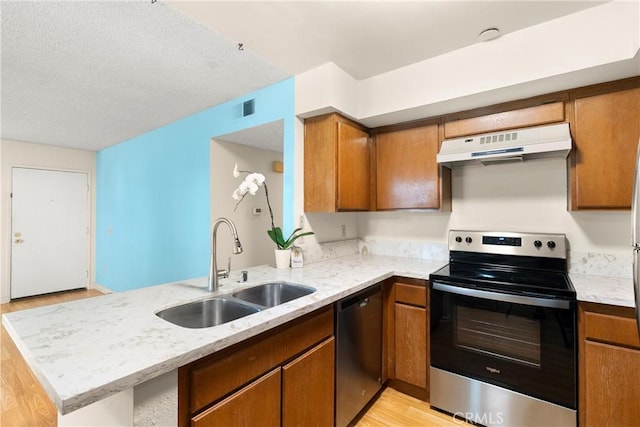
point(272, 294)
point(206, 313)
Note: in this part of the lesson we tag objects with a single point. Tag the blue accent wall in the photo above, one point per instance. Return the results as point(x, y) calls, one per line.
point(152, 192)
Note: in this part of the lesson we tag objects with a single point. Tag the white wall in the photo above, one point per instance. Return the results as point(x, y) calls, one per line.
point(15, 153)
point(529, 196)
point(252, 230)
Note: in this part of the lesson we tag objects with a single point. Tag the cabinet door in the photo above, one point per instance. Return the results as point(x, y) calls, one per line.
point(612, 385)
point(411, 344)
point(336, 165)
point(606, 129)
point(308, 386)
point(353, 168)
point(537, 115)
point(320, 157)
point(407, 172)
point(256, 404)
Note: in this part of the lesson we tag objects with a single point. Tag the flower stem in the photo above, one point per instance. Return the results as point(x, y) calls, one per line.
point(266, 193)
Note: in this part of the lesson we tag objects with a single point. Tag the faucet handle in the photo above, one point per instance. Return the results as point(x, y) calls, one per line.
point(225, 273)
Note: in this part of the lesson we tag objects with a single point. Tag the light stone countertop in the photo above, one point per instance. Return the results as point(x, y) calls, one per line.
point(84, 351)
point(603, 290)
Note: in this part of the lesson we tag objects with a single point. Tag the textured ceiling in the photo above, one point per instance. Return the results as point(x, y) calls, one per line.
point(92, 74)
point(89, 74)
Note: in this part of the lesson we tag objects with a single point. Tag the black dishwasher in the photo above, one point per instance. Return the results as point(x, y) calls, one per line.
point(359, 352)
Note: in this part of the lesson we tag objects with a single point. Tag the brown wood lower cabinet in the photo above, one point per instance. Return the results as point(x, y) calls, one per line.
point(406, 337)
point(307, 387)
point(411, 345)
point(609, 361)
point(281, 377)
point(255, 404)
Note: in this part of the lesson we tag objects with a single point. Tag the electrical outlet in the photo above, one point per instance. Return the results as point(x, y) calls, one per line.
point(344, 230)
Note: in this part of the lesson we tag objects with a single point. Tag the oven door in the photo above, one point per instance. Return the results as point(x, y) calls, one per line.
point(525, 344)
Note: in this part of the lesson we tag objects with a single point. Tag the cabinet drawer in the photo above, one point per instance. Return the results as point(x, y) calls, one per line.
point(411, 294)
point(611, 329)
point(213, 377)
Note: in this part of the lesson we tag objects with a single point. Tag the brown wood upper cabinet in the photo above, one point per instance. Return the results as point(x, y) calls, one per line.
point(551, 112)
point(606, 128)
point(609, 363)
point(407, 174)
point(336, 165)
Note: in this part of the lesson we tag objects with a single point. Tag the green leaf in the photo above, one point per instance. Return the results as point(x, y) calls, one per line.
point(278, 238)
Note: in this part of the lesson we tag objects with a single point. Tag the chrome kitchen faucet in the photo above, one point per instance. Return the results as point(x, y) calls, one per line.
point(214, 273)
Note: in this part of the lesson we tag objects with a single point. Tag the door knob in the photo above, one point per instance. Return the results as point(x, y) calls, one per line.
point(18, 241)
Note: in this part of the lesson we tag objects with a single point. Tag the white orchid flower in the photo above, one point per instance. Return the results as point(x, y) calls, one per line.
point(236, 195)
point(256, 178)
point(236, 173)
point(253, 188)
point(243, 188)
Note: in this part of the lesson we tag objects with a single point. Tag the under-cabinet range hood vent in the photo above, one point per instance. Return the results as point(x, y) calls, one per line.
point(508, 146)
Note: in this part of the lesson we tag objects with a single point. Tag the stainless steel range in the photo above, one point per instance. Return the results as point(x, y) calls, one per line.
point(503, 330)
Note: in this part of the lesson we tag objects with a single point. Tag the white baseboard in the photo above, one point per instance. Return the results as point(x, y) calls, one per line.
point(101, 288)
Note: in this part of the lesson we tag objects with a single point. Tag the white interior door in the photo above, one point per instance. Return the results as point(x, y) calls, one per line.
point(49, 231)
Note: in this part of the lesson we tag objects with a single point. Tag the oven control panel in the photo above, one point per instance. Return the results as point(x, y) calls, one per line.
point(509, 243)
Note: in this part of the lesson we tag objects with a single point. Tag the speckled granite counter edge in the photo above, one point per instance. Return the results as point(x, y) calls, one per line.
point(55, 353)
point(163, 347)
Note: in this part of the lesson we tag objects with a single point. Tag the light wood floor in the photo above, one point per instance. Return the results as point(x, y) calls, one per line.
point(395, 409)
point(23, 402)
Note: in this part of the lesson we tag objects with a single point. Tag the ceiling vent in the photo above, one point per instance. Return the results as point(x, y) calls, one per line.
point(248, 107)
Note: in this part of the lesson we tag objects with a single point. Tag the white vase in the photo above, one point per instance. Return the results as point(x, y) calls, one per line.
point(283, 257)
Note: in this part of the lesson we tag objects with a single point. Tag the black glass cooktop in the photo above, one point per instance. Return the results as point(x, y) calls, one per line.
point(505, 278)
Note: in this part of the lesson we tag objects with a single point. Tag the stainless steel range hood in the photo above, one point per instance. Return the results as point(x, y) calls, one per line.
point(507, 146)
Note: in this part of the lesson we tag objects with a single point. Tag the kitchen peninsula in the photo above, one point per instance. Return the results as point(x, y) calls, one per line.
point(86, 351)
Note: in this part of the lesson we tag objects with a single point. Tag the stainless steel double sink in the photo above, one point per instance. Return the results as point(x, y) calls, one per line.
point(222, 309)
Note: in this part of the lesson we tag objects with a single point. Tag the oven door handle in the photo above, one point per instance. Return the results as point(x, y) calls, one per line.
point(498, 296)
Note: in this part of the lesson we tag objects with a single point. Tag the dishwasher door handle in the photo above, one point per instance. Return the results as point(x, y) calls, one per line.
point(360, 299)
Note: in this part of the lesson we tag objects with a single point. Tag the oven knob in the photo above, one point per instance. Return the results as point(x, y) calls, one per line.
point(551, 244)
point(537, 244)
point(468, 240)
point(458, 239)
